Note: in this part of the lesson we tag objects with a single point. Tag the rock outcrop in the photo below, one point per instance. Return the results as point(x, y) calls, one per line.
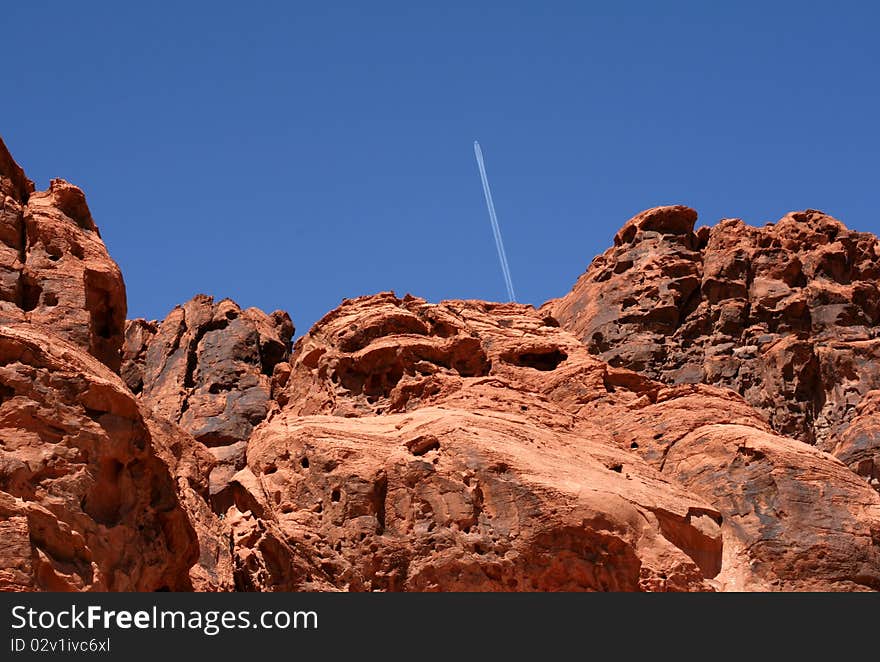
point(795, 517)
point(787, 315)
point(54, 268)
point(485, 431)
point(208, 367)
point(85, 502)
point(191, 465)
point(417, 450)
point(858, 444)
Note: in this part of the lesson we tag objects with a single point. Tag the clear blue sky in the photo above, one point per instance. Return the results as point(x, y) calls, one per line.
point(290, 154)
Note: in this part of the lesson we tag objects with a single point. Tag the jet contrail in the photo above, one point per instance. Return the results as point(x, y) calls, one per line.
point(499, 244)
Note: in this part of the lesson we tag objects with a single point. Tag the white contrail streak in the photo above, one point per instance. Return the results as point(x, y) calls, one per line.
point(496, 230)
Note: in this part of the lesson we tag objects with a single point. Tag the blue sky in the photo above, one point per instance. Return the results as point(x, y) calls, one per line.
point(290, 154)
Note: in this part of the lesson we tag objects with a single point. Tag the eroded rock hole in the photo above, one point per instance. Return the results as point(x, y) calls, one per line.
point(29, 292)
point(103, 501)
point(443, 329)
point(540, 360)
point(6, 393)
point(379, 494)
point(381, 384)
point(99, 303)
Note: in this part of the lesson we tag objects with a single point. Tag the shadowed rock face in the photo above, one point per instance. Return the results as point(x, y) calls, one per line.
point(787, 314)
point(54, 269)
point(858, 444)
point(208, 366)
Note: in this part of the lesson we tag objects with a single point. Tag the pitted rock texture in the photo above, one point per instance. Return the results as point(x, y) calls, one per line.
point(54, 268)
point(787, 314)
point(417, 450)
point(85, 502)
point(448, 499)
point(388, 428)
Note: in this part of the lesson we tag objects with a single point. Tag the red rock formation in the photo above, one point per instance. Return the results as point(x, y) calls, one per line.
point(858, 444)
point(455, 446)
point(85, 503)
point(208, 367)
point(795, 518)
point(787, 315)
point(428, 401)
point(445, 466)
point(54, 269)
point(190, 464)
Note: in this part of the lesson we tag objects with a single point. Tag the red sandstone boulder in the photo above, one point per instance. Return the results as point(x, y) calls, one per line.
point(450, 499)
point(86, 498)
point(795, 518)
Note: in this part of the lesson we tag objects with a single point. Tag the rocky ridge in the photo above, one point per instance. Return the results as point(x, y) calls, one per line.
point(699, 414)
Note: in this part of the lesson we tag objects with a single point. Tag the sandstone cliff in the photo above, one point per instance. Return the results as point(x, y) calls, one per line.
point(86, 503)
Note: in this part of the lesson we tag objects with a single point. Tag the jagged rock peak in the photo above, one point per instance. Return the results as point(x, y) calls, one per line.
point(54, 268)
